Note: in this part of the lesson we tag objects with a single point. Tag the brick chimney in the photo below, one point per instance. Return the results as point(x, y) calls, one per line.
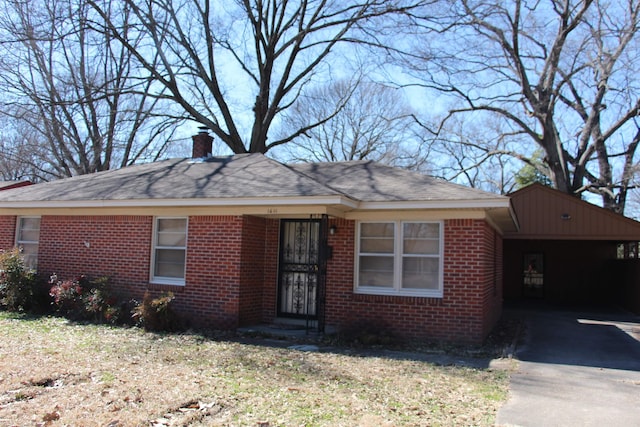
point(202, 143)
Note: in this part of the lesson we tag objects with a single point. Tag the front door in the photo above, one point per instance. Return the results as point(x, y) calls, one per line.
point(300, 268)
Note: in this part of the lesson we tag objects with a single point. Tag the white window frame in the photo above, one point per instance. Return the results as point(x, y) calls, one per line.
point(163, 280)
point(30, 263)
point(398, 257)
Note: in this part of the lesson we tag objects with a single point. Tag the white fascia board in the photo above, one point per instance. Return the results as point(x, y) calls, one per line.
point(438, 204)
point(218, 202)
point(346, 203)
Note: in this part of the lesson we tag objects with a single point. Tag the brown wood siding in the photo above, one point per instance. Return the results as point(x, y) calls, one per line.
point(545, 213)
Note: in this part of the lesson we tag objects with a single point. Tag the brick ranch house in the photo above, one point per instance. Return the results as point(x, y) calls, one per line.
point(244, 240)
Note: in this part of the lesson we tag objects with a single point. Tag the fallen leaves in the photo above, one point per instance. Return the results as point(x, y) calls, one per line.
point(66, 374)
point(186, 414)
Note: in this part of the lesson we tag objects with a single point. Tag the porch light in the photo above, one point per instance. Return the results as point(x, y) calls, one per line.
point(565, 217)
point(333, 229)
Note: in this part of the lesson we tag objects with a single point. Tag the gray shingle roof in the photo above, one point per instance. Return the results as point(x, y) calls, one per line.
point(371, 181)
point(244, 175)
point(247, 176)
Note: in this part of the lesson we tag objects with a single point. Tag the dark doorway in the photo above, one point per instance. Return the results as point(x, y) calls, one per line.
point(533, 275)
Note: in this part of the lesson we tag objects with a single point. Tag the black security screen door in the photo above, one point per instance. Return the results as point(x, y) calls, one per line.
point(301, 266)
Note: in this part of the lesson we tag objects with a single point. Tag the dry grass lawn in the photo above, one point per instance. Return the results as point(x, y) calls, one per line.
point(58, 373)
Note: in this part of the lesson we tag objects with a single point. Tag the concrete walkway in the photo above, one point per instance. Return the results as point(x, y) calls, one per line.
point(576, 369)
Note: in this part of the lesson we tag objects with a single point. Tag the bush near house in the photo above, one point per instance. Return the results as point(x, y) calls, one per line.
point(20, 288)
point(82, 298)
point(156, 314)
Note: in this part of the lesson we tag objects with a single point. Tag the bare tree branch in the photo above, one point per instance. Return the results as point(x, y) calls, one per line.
point(78, 90)
point(236, 67)
point(564, 72)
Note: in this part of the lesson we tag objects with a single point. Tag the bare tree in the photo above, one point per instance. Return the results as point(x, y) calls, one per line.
point(368, 121)
point(560, 75)
point(473, 153)
point(77, 89)
point(21, 153)
point(236, 66)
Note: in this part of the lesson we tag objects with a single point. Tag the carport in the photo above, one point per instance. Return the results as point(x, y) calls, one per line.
point(568, 251)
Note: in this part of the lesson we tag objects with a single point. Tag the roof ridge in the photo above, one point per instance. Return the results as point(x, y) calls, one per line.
point(315, 179)
point(331, 162)
point(280, 164)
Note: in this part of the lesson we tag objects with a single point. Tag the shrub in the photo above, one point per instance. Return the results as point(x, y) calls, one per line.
point(67, 296)
point(85, 299)
point(19, 286)
point(100, 302)
point(156, 314)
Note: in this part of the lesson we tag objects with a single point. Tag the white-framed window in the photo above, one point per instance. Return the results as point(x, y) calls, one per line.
point(399, 258)
point(169, 251)
point(27, 238)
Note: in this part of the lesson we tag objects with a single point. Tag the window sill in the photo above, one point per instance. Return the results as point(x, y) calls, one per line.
point(167, 282)
point(400, 293)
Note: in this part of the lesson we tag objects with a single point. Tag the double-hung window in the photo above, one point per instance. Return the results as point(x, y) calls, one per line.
point(169, 251)
point(27, 237)
point(400, 258)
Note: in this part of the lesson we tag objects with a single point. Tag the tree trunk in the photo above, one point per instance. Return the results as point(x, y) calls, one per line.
point(555, 158)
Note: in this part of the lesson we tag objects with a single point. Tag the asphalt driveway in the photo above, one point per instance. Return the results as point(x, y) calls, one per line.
point(576, 368)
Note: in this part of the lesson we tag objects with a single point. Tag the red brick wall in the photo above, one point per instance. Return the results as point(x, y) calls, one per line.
point(231, 266)
point(211, 296)
point(493, 278)
point(221, 271)
point(7, 231)
point(252, 265)
point(271, 258)
point(464, 314)
point(118, 247)
point(340, 270)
